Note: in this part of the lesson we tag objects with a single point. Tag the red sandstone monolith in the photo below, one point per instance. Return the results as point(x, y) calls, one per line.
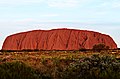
point(57, 39)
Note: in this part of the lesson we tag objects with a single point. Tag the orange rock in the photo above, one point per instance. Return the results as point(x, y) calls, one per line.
point(57, 39)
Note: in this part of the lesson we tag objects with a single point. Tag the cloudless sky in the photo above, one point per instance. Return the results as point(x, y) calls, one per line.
point(24, 15)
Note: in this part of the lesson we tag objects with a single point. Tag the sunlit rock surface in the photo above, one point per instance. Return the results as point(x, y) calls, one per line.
point(57, 39)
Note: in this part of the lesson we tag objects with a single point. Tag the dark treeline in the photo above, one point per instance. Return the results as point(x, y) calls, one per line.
point(36, 50)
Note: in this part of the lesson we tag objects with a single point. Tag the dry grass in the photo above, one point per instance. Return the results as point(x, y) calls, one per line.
point(33, 58)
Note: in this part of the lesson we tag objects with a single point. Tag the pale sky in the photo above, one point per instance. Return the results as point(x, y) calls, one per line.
point(24, 15)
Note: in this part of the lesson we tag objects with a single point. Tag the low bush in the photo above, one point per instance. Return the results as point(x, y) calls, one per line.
point(18, 70)
point(99, 47)
point(94, 67)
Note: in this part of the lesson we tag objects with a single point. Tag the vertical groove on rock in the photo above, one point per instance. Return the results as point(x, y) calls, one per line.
point(24, 36)
point(47, 40)
point(62, 42)
point(18, 43)
point(83, 43)
point(54, 41)
point(68, 39)
point(37, 39)
point(43, 41)
point(76, 39)
point(79, 40)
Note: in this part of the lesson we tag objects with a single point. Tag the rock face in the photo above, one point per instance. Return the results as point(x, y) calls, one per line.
point(57, 39)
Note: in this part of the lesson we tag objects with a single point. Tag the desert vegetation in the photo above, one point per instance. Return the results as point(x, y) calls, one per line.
point(60, 65)
point(99, 47)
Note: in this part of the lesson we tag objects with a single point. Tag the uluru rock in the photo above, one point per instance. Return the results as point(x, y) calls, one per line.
point(57, 39)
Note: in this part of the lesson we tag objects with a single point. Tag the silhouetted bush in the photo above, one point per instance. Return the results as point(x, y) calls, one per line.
point(82, 49)
point(99, 47)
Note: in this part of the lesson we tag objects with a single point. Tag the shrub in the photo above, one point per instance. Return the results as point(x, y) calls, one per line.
point(94, 67)
point(82, 49)
point(99, 47)
point(17, 70)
